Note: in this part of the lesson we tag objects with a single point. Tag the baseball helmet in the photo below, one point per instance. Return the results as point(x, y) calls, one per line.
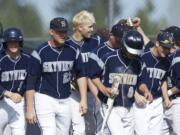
point(133, 42)
point(12, 34)
point(119, 29)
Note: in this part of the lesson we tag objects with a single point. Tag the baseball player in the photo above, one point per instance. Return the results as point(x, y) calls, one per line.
point(134, 23)
point(82, 39)
point(125, 64)
point(15, 67)
point(56, 64)
point(171, 115)
point(151, 115)
point(113, 43)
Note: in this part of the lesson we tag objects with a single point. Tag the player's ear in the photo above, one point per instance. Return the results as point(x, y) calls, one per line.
point(51, 32)
point(80, 27)
point(157, 43)
point(111, 35)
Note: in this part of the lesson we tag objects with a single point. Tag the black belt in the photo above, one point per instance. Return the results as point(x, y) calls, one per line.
point(174, 96)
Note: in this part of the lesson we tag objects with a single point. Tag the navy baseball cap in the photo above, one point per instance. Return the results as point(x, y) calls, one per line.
point(59, 24)
point(165, 39)
point(119, 29)
point(175, 31)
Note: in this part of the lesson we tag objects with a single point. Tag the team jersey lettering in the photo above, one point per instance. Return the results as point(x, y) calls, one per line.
point(85, 57)
point(124, 78)
point(13, 75)
point(156, 73)
point(56, 66)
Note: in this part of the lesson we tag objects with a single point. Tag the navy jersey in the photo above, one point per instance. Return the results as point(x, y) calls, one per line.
point(98, 53)
point(157, 70)
point(13, 72)
point(55, 67)
point(169, 77)
point(103, 49)
point(113, 64)
point(175, 75)
point(148, 46)
point(85, 47)
point(99, 38)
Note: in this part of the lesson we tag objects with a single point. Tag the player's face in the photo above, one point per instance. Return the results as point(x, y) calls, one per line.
point(173, 49)
point(59, 37)
point(13, 47)
point(130, 56)
point(115, 41)
point(86, 29)
point(163, 51)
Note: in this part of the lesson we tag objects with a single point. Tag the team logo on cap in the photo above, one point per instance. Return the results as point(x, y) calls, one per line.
point(168, 41)
point(63, 23)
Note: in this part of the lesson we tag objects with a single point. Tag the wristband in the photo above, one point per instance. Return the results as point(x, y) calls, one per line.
point(170, 93)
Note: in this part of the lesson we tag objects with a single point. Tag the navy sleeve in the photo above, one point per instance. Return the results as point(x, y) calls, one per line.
point(166, 76)
point(176, 73)
point(148, 46)
point(143, 77)
point(79, 67)
point(34, 73)
point(96, 66)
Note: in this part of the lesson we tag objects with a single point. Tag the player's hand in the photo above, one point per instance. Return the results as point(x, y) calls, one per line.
point(30, 116)
point(15, 97)
point(136, 21)
point(167, 103)
point(139, 99)
point(148, 96)
point(106, 91)
point(97, 100)
point(83, 107)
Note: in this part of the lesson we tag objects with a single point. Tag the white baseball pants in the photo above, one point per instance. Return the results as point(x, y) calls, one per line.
point(54, 115)
point(149, 118)
point(12, 114)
